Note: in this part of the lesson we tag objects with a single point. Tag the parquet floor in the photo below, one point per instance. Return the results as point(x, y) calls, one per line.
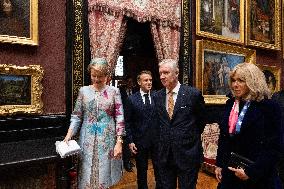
point(205, 180)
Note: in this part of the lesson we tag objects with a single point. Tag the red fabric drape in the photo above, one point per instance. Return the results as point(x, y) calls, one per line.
point(166, 12)
point(107, 26)
point(106, 35)
point(166, 41)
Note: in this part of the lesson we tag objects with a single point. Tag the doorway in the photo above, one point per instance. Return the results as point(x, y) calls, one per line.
point(137, 54)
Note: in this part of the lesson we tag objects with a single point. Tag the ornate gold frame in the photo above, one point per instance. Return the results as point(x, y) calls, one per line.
point(217, 36)
point(33, 38)
point(277, 28)
point(36, 73)
point(201, 46)
point(276, 72)
point(282, 28)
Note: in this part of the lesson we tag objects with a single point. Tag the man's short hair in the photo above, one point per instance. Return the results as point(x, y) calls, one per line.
point(143, 72)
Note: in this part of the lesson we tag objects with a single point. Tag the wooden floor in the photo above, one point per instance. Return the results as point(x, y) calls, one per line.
point(205, 180)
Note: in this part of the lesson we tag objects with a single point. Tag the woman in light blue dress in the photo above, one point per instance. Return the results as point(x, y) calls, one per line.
point(98, 116)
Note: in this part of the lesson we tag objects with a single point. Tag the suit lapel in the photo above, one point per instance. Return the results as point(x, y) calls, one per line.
point(162, 105)
point(250, 116)
point(139, 99)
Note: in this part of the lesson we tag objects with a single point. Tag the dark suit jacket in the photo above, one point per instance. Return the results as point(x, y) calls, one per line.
point(140, 121)
point(124, 95)
point(258, 140)
point(181, 135)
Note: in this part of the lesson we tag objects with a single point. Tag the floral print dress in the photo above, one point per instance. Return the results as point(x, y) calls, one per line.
point(98, 116)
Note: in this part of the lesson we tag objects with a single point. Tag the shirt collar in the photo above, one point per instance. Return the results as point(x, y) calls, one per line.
point(176, 89)
point(142, 92)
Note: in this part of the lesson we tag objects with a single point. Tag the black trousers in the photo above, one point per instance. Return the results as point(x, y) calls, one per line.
point(126, 153)
point(170, 174)
point(141, 159)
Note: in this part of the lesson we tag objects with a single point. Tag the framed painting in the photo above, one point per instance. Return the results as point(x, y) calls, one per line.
point(263, 23)
point(19, 21)
point(273, 77)
point(283, 29)
point(220, 19)
point(214, 63)
point(21, 89)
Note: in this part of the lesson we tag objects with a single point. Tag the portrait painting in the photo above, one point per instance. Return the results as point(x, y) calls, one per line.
point(263, 24)
point(272, 76)
point(21, 89)
point(221, 19)
point(214, 63)
point(18, 21)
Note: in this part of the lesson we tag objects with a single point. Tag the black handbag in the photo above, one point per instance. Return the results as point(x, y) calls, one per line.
point(238, 161)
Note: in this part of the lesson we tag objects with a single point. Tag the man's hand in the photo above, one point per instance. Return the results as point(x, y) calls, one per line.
point(218, 173)
point(133, 148)
point(240, 173)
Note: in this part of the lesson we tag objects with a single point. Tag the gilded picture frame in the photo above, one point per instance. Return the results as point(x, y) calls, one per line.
point(221, 20)
point(21, 89)
point(283, 29)
point(272, 75)
point(19, 22)
point(263, 24)
point(214, 62)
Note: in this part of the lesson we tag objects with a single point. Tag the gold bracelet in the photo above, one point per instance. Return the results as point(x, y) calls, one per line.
point(119, 139)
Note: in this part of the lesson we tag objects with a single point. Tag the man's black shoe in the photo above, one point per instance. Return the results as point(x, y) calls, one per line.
point(128, 166)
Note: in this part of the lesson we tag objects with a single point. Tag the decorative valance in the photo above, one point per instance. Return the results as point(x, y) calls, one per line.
point(164, 12)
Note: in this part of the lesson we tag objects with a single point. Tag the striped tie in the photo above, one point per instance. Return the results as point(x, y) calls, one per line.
point(171, 104)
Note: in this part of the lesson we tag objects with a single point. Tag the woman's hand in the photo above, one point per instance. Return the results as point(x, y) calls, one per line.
point(117, 152)
point(240, 173)
point(66, 139)
point(218, 173)
point(68, 136)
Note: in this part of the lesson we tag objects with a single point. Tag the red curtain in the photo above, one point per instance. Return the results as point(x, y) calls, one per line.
point(106, 35)
point(167, 12)
point(107, 26)
point(166, 41)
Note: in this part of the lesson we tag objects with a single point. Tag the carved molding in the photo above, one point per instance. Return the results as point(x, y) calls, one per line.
point(77, 50)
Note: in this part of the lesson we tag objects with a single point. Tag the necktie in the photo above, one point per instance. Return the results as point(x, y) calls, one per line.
point(171, 104)
point(147, 101)
point(129, 92)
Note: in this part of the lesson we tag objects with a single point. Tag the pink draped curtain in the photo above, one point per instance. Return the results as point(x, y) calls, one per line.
point(106, 35)
point(164, 11)
point(107, 26)
point(166, 41)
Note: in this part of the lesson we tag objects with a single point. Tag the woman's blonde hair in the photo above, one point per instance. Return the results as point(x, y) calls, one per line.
point(254, 79)
point(99, 64)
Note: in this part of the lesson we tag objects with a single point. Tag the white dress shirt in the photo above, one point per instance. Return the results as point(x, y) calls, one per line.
point(143, 97)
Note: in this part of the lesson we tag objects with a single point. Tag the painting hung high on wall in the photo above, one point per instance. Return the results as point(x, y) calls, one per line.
point(220, 19)
point(272, 75)
point(263, 23)
point(19, 21)
point(21, 89)
point(214, 62)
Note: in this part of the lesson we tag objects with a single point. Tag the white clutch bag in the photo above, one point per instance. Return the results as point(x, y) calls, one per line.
point(64, 149)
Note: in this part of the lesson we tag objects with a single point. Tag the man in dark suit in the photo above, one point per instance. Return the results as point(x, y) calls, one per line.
point(125, 91)
point(141, 128)
point(180, 110)
point(279, 98)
